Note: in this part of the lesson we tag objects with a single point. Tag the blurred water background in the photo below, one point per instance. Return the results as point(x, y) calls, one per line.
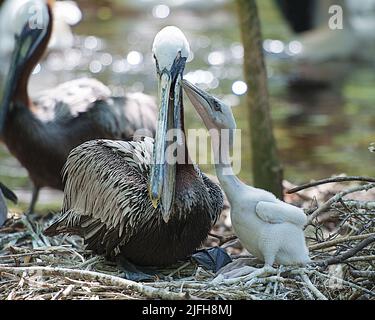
point(320, 131)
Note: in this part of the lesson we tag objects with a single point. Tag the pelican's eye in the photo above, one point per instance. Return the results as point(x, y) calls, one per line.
point(156, 64)
point(177, 60)
point(178, 64)
point(178, 55)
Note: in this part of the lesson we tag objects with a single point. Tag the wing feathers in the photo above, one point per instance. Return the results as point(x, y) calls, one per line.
point(280, 212)
point(111, 177)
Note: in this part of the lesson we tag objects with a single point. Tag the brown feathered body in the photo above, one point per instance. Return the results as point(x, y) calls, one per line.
point(42, 134)
point(106, 202)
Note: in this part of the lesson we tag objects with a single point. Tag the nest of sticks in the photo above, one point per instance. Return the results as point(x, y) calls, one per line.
point(340, 236)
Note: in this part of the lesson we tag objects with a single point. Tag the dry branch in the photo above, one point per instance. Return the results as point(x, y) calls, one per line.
point(353, 204)
point(347, 254)
point(223, 240)
point(363, 274)
point(336, 198)
point(334, 242)
point(330, 180)
point(360, 258)
point(312, 288)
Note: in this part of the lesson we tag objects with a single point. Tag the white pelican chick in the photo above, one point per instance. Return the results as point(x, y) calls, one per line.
point(268, 228)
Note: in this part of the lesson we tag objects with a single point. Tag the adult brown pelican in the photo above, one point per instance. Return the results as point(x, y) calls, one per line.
point(41, 133)
point(127, 199)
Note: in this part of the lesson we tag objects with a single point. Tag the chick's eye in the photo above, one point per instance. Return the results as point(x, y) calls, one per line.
point(217, 106)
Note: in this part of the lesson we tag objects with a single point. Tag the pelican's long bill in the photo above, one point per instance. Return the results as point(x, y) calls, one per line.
point(163, 170)
point(201, 100)
point(214, 113)
point(26, 45)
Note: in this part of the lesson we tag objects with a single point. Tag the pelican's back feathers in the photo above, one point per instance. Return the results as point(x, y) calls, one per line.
point(87, 98)
point(99, 204)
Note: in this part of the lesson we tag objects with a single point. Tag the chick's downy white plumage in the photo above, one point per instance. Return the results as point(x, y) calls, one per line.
point(268, 228)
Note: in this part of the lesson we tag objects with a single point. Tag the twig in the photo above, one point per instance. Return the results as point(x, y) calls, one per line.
point(57, 295)
point(223, 240)
point(336, 198)
point(13, 263)
point(179, 269)
point(331, 243)
point(277, 283)
point(146, 290)
point(364, 274)
point(330, 180)
point(289, 185)
point(178, 284)
point(68, 290)
point(344, 282)
point(312, 288)
point(90, 262)
point(42, 251)
point(4, 239)
point(353, 204)
point(228, 239)
point(360, 258)
point(30, 228)
point(347, 254)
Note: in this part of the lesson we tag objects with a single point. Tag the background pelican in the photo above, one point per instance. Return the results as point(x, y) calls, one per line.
point(126, 198)
point(41, 133)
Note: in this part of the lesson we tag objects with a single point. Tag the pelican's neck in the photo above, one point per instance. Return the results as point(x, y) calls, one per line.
point(21, 93)
point(228, 180)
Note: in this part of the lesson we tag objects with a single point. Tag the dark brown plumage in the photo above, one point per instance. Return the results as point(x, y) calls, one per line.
point(106, 202)
point(41, 133)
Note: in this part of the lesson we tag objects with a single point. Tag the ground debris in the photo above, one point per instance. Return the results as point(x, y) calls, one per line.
point(340, 237)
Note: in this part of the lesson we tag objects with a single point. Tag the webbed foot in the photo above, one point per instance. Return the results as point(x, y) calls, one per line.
point(244, 274)
point(134, 272)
